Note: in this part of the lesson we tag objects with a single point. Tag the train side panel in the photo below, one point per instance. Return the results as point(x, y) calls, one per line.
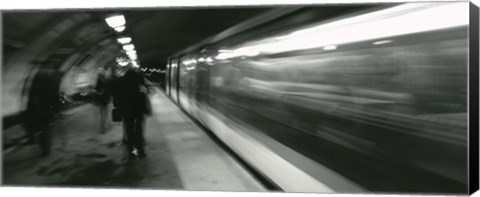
point(386, 115)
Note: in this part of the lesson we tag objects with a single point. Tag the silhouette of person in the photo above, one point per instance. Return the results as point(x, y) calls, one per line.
point(131, 98)
point(102, 98)
point(40, 110)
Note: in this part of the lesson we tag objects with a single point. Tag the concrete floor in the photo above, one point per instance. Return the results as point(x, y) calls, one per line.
point(180, 156)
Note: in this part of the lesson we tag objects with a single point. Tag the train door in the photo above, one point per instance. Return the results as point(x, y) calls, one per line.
point(174, 79)
point(167, 77)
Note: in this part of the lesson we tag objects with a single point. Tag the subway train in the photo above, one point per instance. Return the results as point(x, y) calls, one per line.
point(337, 98)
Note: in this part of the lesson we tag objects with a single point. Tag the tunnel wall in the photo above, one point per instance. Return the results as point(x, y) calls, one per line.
point(22, 66)
point(54, 51)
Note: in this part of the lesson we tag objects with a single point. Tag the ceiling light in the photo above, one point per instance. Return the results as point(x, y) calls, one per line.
point(128, 47)
point(122, 64)
point(133, 56)
point(124, 40)
point(115, 21)
point(135, 64)
point(119, 29)
point(133, 52)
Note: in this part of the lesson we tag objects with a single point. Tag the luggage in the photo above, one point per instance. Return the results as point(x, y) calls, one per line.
point(116, 115)
point(146, 104)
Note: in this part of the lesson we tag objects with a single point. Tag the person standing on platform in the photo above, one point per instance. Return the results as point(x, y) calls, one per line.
point(131, 98)
point(40, 111)
point(102, 98)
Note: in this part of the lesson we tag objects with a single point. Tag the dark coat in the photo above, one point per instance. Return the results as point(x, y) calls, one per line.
point(103, 90)
point(129, 94)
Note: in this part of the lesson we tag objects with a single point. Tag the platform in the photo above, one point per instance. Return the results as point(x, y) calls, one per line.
point(181, 156)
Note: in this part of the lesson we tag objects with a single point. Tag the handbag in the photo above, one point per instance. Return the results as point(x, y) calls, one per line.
point(116, 115)
point(145, 100)
point(147, 105)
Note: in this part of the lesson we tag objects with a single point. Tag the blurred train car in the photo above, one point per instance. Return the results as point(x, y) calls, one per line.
point(338, 98)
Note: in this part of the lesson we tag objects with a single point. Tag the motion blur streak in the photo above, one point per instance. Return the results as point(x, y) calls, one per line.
point(378, 95)
point(396, 21)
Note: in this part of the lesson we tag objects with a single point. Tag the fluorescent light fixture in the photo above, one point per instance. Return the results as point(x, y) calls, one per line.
point(330, 47)
point(133, 57)
point(124, 40)
point(119, 29)
point(128, 47)
point(132, 52)
point(201, 59)
point(115, 21)
point(122, 64)
point(134, 63)
point(119, 59)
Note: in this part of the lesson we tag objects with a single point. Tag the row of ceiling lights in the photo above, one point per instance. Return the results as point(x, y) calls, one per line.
point(117, 22)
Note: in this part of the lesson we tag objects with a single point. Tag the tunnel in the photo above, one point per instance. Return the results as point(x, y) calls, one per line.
point(321, 98)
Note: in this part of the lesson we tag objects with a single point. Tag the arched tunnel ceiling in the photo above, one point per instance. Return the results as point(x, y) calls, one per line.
point(156, 33)
point(59, 41)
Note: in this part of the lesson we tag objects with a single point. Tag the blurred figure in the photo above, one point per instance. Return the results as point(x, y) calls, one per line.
point(131, 98)
point(40, 111)
point(102, 98)
point(36, 124)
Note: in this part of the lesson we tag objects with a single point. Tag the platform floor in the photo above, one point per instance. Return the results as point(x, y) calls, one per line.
point(180, 156)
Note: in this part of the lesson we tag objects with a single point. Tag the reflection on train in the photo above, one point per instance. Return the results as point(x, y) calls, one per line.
point(374, 96)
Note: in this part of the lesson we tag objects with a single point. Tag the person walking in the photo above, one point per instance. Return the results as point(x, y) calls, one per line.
point(131, 99)
point(40, 111)
point(102, 98)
